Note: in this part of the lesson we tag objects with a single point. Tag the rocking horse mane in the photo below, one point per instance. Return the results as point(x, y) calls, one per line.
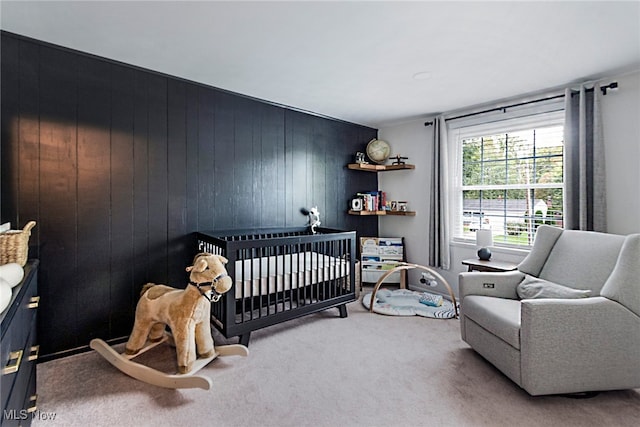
point(146, 287)
point(155, 290)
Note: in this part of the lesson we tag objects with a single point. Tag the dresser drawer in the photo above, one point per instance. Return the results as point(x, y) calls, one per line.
point(19, 405)
point(14, 342)
point(15, 336)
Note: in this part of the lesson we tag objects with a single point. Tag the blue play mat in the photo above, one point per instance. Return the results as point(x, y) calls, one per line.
point(403, 302)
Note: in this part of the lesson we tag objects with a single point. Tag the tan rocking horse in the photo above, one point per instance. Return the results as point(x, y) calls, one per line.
point(186, 312)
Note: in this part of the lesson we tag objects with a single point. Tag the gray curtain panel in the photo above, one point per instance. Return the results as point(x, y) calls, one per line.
point(584, 161)
point(439, 255)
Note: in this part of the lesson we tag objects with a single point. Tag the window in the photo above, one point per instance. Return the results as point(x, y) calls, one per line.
point(510, 178)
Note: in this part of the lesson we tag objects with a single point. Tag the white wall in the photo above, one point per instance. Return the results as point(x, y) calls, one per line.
point(621, 122)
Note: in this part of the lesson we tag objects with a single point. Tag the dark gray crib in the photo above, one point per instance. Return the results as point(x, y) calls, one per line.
point(281, 274)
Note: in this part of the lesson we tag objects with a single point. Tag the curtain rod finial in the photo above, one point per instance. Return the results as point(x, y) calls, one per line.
point(610, 86)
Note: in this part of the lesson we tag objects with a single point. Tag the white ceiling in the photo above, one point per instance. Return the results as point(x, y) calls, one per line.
point(352, 60)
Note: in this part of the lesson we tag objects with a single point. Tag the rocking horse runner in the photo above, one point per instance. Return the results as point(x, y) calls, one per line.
point(186, 312)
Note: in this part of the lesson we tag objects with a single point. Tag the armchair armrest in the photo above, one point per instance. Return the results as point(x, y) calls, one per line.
point(578, 344)
point(479, 283)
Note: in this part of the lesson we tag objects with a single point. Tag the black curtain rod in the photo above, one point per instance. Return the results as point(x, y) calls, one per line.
point(612, 86)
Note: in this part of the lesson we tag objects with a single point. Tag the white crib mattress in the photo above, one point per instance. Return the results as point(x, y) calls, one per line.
point(266, 275)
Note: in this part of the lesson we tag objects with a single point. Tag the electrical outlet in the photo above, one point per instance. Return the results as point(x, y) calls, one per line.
point(488, 285)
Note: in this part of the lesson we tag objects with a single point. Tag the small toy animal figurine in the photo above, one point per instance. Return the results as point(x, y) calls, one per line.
point(314, 219)
point(185, 311)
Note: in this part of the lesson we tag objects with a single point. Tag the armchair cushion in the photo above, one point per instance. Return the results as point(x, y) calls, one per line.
point(532, 287)
point(582, 259)
point(500, 316)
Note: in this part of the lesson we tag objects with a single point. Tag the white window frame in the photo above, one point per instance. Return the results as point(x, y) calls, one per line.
point(551, 114)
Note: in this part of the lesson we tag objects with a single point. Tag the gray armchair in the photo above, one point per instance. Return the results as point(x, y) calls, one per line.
point(561, 345)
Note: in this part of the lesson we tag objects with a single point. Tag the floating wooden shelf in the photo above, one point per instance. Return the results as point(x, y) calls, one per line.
point(398, 213)
point(378, 168)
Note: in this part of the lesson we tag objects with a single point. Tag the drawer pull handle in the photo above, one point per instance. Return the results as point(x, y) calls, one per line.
point(34, 302)
point(33, 400)
point(33, 354)
point(16, 357)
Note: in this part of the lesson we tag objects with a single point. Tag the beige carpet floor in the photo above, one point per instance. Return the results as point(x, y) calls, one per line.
point(321, 370)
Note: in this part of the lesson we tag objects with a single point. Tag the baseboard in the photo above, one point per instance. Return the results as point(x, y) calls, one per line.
point(77, 350)
point(432, 290)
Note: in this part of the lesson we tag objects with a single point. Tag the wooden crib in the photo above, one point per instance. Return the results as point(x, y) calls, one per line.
point(281, 274)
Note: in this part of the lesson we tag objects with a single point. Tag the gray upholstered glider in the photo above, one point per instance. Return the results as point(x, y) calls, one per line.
point(567, 321)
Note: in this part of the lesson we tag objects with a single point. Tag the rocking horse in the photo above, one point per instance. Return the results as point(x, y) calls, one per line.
point(186, 312)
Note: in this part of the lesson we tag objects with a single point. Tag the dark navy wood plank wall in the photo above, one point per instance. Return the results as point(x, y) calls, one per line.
point(120, 165)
